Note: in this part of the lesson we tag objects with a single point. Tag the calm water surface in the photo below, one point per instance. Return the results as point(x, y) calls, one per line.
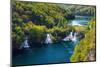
point(52, 53)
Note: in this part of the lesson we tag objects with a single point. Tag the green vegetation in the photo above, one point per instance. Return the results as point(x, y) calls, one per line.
point(35, 20)
point(79, 10)
point(83, 50)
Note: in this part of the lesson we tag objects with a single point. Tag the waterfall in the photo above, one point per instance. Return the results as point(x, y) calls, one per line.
point(71, 37)
point(25, 43)
point(48, 39)
point(67, 38)
point(74, 39)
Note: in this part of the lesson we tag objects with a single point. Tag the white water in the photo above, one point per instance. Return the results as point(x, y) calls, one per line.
point(25, 44)
point(48, 39)
point(75, 23)
point(67, 38)
point(74, 39)
point(71, 37)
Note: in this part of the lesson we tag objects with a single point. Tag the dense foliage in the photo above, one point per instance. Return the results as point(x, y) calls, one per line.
point(85, 50)
point(79, 10)
point(35, 20)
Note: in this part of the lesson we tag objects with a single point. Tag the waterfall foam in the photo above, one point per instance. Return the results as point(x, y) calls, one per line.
point(48, 39)
point(74, 39)
point(71, 37)
point(25, 44)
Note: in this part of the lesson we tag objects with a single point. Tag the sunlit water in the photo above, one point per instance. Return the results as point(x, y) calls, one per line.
point(79, 22)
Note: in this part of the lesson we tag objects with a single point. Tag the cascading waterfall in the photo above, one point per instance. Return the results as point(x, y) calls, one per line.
point(48, 39)
point(25, 43)
point(71, 37)
point(67, 38)
point(74, 39)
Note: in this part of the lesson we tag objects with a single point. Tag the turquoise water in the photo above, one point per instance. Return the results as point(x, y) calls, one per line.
point(51, 53)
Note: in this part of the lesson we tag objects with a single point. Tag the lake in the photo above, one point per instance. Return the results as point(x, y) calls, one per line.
point(51, 53)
